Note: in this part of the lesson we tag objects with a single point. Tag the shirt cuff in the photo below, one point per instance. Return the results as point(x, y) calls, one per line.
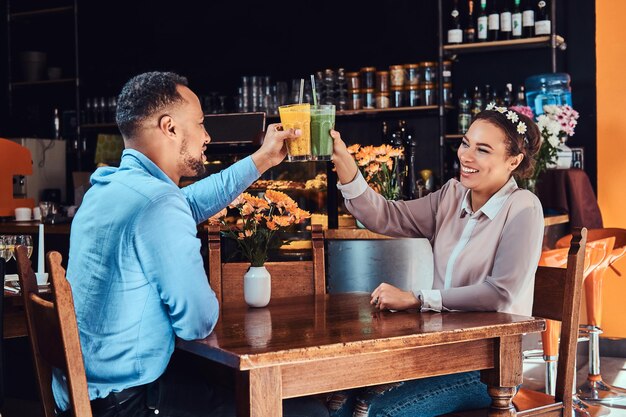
point(431, 300)
point(354, 188)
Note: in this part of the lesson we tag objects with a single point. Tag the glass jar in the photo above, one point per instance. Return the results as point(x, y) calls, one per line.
point(397, 97)
point(412, 74)
point(354, 100)
point(382, 100)
point(447, 94)
point(413, 96)
point(446, 73)
point(369, 98)
point(428, 72)
point(382, 82)
point(396, 74)
point(367, 77)
point(353, 81)
point(429, 94)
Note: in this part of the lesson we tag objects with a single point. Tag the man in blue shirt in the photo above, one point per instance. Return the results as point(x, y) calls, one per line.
point(135, 267)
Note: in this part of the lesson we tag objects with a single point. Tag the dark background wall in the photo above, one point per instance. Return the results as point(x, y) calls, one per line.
point(215, 43)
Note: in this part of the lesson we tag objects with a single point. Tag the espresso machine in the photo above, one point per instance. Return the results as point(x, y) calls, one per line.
point(15, 162)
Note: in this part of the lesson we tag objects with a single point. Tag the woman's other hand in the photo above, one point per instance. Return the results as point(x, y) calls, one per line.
point(344, 162)
point(386, 296)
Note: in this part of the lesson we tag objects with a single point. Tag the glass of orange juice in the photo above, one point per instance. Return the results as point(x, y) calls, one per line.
point(297, 116)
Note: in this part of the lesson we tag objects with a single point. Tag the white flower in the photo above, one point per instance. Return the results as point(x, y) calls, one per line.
point(490, 106)
point(501, 109)
point(512, 116)
point(554, 140)
point(521, 128)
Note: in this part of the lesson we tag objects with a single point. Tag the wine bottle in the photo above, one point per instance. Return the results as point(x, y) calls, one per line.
point(482, 21)
point(477, 102)
point(494, 22)
point(528, 20)
point(506, 22)
point(455, 33)
point(470, 31)
point(507, 100)
point(516, 21)
point(465, 115)
point(520, 99)
point(542, 19)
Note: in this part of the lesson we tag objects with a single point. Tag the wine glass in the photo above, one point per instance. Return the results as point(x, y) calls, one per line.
point(4, 251)
point(25, 240)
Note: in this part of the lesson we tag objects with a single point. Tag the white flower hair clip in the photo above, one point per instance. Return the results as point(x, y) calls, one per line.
point(510, 115)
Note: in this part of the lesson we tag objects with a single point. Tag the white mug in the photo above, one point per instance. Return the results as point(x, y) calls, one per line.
point(22, 214)
point(36, 213)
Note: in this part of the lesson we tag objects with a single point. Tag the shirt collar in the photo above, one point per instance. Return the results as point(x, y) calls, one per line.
point(132, 158)
point(494, 204)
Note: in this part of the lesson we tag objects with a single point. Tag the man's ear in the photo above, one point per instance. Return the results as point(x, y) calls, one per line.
point(167, 125)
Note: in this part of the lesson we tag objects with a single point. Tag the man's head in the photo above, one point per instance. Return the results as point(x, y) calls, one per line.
point(160, 116)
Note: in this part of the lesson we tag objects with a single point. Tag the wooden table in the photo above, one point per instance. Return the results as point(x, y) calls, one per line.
point(307, 345)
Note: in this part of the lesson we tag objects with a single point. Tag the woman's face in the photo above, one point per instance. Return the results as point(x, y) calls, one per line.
point(485, 165)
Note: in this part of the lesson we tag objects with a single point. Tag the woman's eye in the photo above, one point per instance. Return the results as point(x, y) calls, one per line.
point(465, 144)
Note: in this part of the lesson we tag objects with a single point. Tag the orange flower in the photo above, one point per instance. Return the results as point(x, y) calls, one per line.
point(271, 225)
point(248, 233)
point(372, 168)
point(258, 217)
point(237, 201)
point(247, 209)
point(283, 221)
point(300, 215)
point(281, 200)
point(257, 203)
point(352, 149)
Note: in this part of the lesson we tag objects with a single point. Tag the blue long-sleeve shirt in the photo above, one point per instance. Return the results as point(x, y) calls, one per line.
point(136, 272)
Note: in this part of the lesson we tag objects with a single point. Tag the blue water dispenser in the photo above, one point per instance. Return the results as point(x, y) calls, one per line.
point(544, 89)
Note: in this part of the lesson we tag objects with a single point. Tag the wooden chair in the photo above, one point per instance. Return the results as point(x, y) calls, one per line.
point(53, 334)
point(289, 279)
point(557, 297)
point(594, 388)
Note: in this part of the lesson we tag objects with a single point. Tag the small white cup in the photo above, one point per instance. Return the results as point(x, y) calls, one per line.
point(22, 214)
point(36, 213)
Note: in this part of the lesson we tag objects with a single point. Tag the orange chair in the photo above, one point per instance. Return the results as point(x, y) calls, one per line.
point(594, 389)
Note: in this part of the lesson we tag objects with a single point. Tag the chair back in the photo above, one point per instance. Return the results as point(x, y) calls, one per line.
point(289, 279)
point(53, 334)
point(557, 296)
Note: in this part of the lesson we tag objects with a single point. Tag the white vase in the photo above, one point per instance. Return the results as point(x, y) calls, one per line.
point(257, 286)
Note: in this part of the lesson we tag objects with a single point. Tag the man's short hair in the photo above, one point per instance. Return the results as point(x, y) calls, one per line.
point(143, 96)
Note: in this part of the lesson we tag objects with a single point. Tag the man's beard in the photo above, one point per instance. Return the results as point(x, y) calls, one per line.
point(192, 167)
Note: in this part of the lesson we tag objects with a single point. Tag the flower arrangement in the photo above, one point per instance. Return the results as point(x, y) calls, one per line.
point(379, 164)
point(260, 219)
point(556, 125)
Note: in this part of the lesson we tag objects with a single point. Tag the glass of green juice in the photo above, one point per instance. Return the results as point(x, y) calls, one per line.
point(322, 122)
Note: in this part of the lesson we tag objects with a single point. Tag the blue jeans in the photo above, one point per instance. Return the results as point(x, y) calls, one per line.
point(426, 397)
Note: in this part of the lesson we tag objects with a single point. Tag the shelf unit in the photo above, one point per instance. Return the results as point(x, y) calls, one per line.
point(23, 94)
point(447, 51)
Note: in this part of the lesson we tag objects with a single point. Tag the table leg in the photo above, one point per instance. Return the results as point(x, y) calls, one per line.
point(503, 379)
point(259, 393)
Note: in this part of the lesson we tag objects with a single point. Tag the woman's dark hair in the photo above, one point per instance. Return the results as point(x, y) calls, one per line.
point(527, 144)
point(144, 95)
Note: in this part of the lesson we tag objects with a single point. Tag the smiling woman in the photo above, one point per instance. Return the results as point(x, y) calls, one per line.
point(486, 235)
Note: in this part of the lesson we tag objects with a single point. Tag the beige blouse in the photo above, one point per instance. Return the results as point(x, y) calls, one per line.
point(484, 260)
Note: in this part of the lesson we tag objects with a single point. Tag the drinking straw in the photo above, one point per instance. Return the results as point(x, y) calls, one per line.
point(314, 93)
point(301, 91)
